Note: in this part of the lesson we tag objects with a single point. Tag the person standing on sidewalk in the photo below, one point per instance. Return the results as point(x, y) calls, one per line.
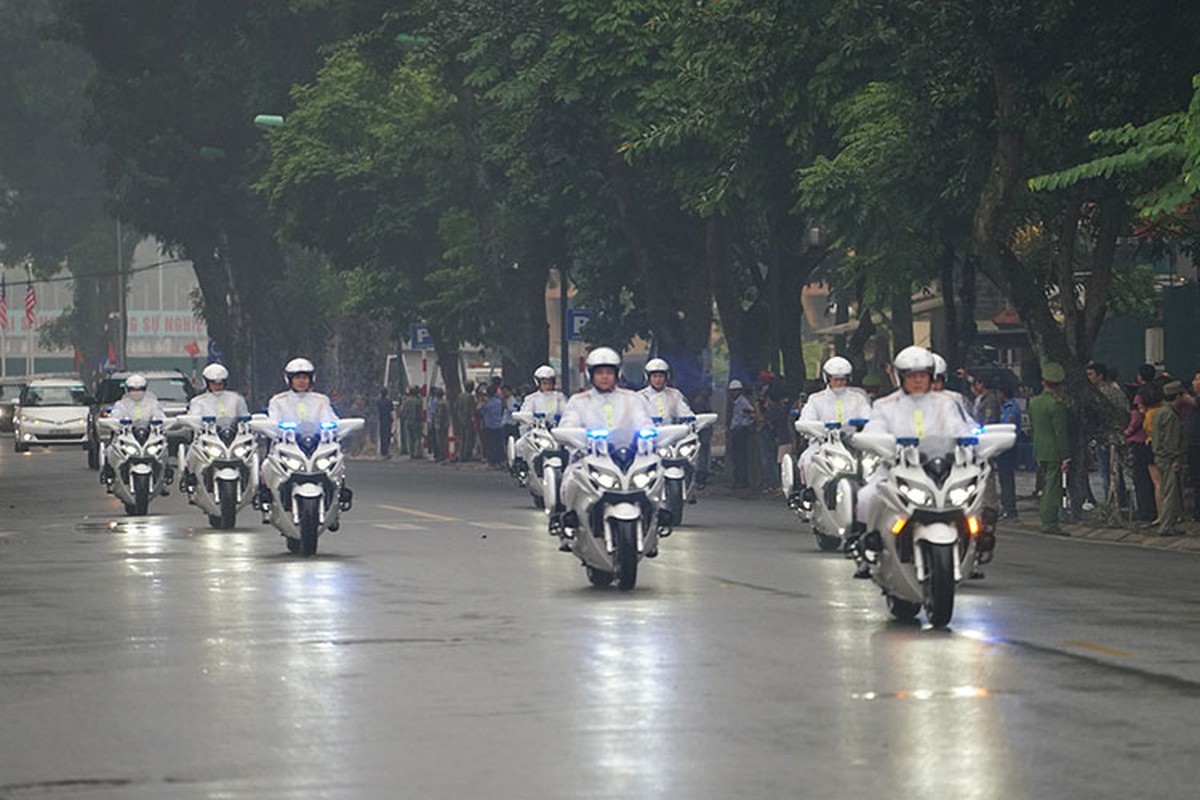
point(387, 416)
point(1051, 447)
point(741, 427)
point(412, 417)
point(1170, 449)
point(1193, 442)
point(1006, 462)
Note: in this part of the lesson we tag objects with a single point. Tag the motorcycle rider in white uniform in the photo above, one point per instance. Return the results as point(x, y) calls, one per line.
point(140, 407)
point(547, 400)
point(300, 405)
point(914, 411)
point(619, 411)
point(838, 402)
point(218, 401)
point(666, 402)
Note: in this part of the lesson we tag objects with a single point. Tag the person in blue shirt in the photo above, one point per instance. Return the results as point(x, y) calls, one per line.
point(1006, 462)
point(493, 428)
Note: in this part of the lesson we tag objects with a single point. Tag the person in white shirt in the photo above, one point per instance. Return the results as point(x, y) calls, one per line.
point(605, 406)
point(666, 402)
point(838, 402)
point(218, 401)
point(547, 401)
point(300, 404)
point(138, 405)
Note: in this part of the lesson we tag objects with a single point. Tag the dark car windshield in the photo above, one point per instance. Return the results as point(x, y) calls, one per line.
point(167, 390)
point(39, 396)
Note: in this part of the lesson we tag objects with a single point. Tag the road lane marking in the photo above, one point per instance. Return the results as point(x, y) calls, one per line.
point(398, 526)
point(422, 514)
point(1099, 648)
point(499, 526)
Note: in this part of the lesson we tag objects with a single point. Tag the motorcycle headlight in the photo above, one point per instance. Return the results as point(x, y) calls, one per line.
point(664, 452)
point(644, 478)
point(603, 478)
point(841, 463)
point(243, 451)
point(688, 449)
point(154, 449)
point(326, 463)
point(128, 448)
point(960, 495)
point(291, 463)
point(915, 495)
point(213, 450)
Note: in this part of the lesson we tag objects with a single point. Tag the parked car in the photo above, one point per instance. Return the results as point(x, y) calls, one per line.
point(52, 411)
point(10, 396)
point(173, 390)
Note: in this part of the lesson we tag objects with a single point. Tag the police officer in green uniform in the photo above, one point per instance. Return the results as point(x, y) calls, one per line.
point(1051, 448)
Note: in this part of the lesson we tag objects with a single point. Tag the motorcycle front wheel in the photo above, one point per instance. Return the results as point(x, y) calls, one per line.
point(939, 584)
point(310, 521)
point(626, 557)
point(227, 499)
point(141, 495)
point(675, 500)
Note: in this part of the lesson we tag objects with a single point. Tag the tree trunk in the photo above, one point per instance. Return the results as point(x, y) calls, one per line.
point(902, 320)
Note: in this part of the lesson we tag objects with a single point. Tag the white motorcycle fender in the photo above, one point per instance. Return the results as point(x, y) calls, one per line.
point(787, 474)
point(227, 474)
point(934, 533)
point(305, 490)
point(675, 473)
point(140, 469)
point(627, 511)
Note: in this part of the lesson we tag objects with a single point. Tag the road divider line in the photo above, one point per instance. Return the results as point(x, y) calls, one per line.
point(422, 514)
point(500, 526)
point(1099, 648)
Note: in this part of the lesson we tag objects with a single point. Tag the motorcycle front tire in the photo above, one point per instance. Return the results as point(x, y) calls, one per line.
point(310, 521)
point(141, 495)
point(674, 499)
point(626, 557)
point(939, 584)
point(227, 499)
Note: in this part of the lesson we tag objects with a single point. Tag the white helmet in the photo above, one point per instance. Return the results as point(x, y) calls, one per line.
point(135, 382)
point(913, 359)
point(603, 357)
point(545, 372)
point(735, 384)
point(837, 367)
point(297, 366)
point(656, 365)
point(939, 366)
point(215, 372)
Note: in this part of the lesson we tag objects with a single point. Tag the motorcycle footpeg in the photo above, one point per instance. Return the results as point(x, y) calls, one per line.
point(652, 553)
point(345, 498)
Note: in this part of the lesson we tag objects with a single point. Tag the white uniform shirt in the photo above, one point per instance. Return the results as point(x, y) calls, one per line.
point(140, 412)
point(931, 414)
point(552, 404)
point(669, 405)
point(301, 407)
point(618, 410)
point(222, 405)
point(837, 405)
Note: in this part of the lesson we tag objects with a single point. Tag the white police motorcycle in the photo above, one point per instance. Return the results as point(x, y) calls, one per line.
point(542, 453)
point(222, 467)
point(836, 473)
point(134, 464)
point(924, 527)
point(612, 497)
point(679, 459)
point(305, 476)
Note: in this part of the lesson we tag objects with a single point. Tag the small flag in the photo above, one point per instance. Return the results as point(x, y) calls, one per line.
point(30, 304)
point(110, 363)
point(3, 304)
point(193, 349)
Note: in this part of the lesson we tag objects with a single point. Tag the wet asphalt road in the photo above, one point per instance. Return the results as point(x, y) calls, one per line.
point(441, 647)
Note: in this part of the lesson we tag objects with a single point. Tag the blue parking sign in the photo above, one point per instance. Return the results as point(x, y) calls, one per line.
point(420, 337)
point(577, 319)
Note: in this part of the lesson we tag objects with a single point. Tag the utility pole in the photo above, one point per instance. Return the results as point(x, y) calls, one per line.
point(122, 311)
point(563, 304)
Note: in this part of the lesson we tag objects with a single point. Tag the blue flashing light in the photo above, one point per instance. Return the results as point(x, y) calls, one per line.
point(832, 426)
point(968, 441)
point(598, 433)
point(539, 415)
point(288, 425)
point(908, 441)
point(125, 421)
point(647, 433)
point(208, 418)
point(656, 421)
point(329, 425)
point(858, 422)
